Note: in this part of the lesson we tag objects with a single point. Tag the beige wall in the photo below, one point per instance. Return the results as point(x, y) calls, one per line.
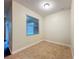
point(57, 27)
point(19, 37)
point(72, 27)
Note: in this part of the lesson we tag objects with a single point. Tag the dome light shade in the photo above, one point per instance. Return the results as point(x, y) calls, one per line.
point(46, 5)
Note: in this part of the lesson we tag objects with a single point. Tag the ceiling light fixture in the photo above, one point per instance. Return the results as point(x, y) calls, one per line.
point(46, 5)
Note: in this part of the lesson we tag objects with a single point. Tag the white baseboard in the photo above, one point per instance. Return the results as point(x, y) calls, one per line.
point(72, 52)
point(26, 47)
point(10, 50)
point(59, 43)
point(37, 43)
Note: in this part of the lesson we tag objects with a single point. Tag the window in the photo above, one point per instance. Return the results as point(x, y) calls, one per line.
point(32, 26)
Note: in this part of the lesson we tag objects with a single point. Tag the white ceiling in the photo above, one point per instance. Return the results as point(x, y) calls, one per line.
point(34, 5)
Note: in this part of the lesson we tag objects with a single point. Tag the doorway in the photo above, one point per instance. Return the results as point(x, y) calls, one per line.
point(6, 37)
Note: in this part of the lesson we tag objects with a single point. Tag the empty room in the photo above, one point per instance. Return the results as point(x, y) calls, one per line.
point(38, 29)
